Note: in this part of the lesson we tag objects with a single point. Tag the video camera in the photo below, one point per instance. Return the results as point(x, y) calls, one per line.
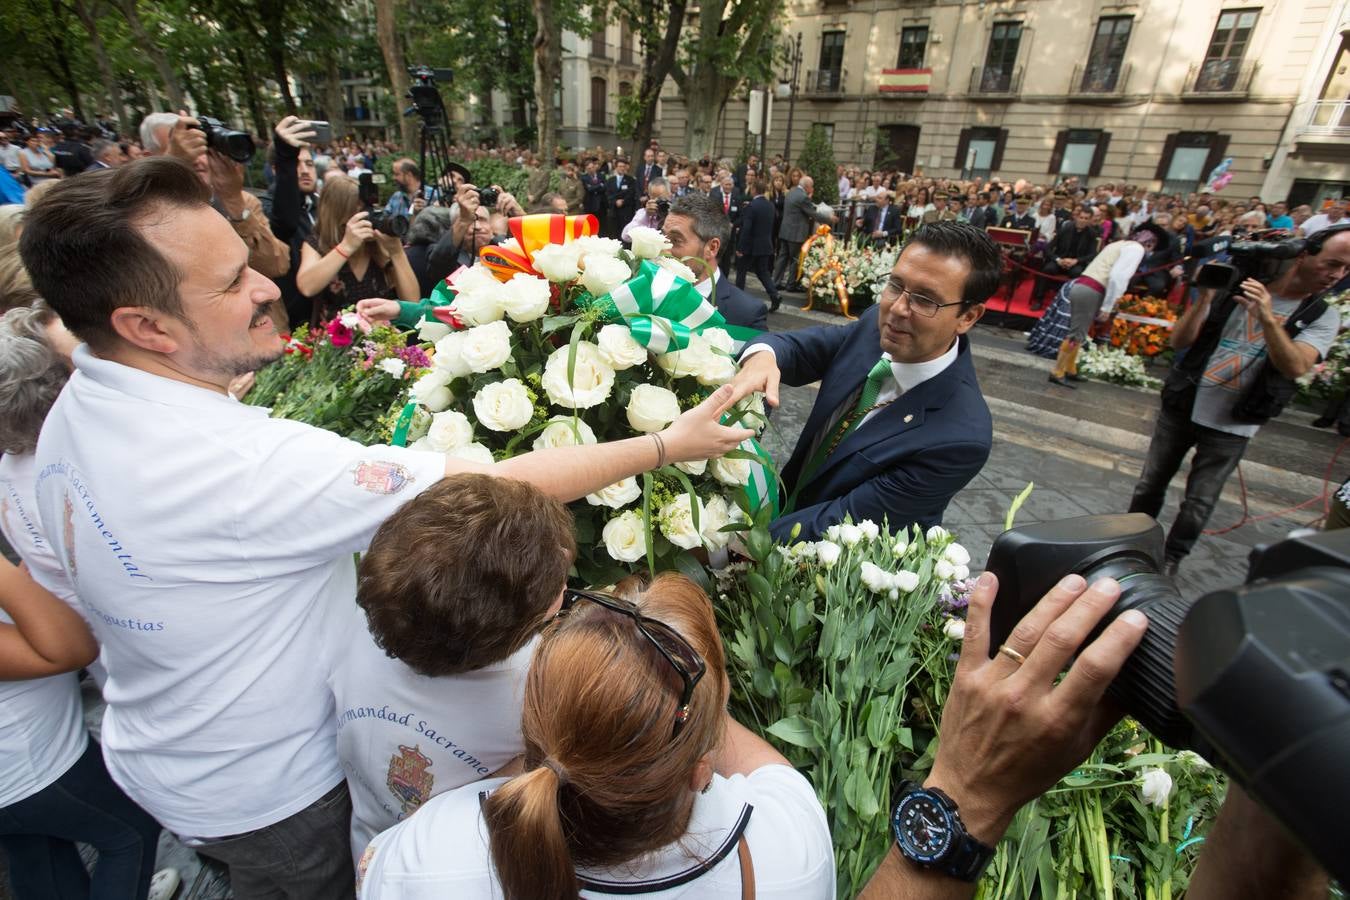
point(425, 98)
point(1264, 258)
point(369, 194)
point(1255, 678)
point(237, 145)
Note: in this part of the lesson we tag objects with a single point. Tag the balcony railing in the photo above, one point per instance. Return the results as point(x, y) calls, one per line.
point(1323, 119)
point(1100, 79)
point(824, 81)
point(1220, 78)
point(993, 81)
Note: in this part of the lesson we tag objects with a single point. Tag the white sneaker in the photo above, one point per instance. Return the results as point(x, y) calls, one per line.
point(164, 885)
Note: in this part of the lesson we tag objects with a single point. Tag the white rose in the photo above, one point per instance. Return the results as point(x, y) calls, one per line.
point(449, 430)
point(735, 472)
point(486, 347)
point(874, 578)
point(828, 553)
point(677, 523)
point(479, 306)
point(1155, 786)
point(603, 274)
point(905, 581)
point(431, 390)
point(592, 378)
point(677, 268)
point(618, 348)
point(944, 570)
point(849, 534)
point(526, 297)
point(716, 370)
point(695, 467)
point(961, 573)
point(474, 452)
point(719, 339)
point(652, 408)
point(617, 495)
point(937, 533)
point(955, 629)
point(957, 555)
point(869, 529)
point(503, 405)
point(648, 243)
point(560, 432)
point(394, 366)
point(450, 356)
point(431, 331)
point(716, 513)
point(558, 262)
point(901, 548)
point(601, 246)
point(832, 533)
point(692, 360)
point(473, 278)
point(625, 537)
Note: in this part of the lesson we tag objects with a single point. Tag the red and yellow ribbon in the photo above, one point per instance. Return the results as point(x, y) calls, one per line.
point(531, 233)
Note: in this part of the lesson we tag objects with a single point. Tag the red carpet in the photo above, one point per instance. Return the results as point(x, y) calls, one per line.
point(1020, 302)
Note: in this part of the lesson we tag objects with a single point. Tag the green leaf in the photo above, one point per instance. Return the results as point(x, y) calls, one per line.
point(795, 730)
point(782, 648)
point(557, 323)
point(1017, 504)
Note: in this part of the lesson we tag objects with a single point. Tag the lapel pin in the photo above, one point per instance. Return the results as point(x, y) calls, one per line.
point(909, 418)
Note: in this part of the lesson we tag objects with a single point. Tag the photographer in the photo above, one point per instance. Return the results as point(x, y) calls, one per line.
point(653, 213)
point(471, 230)
point(412, 196)
point(346, 259)
point(1243, 352)
point(292, 206)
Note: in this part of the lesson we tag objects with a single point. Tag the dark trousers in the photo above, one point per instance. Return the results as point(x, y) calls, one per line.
point(785, 271)
point(762, 266)
point(1053, 268)
point(84, 805)
point(308, 855)
point(1217, 454)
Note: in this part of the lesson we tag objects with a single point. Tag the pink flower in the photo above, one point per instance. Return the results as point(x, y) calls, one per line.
point(338, 334)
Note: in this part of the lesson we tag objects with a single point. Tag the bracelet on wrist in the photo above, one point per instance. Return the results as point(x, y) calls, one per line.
point(660, 450)
point(340, 252)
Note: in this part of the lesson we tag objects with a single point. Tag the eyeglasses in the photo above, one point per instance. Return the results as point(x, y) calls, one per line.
point(677, 651)
point(918, 303)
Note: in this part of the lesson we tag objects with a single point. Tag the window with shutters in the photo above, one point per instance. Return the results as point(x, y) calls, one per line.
point(1000, 60)
point(1107, 55)
point(913, 44)
point(1187, 159)
point(828, 77)
point(980, 151)
point(599, 102)
point(1079, 151)
point(1223, 59)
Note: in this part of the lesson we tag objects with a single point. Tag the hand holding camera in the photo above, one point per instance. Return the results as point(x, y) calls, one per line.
point(357, 232)
point(466, 197)
point(1252, 296)
point(187, 141)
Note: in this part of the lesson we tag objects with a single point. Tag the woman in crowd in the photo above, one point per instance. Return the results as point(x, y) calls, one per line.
point(345, 260)
point(37, 162)
point(54, 789)
point(636, 779)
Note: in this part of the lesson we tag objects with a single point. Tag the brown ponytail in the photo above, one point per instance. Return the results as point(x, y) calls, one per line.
point(605, 783)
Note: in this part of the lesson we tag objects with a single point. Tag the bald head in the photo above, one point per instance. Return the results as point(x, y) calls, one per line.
point(807, 184)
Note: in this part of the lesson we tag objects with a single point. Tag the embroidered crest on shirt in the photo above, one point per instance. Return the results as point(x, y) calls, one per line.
point(381, 477)
point(408, 778)
point(68, 535)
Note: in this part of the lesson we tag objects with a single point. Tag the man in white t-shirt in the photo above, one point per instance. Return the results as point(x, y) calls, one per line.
point(432, 677)
point(213, 545)
point(1333, 215)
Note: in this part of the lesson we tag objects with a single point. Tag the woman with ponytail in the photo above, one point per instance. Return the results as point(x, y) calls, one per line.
point(636, 780)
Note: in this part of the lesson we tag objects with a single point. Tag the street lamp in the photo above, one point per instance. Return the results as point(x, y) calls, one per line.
point(790, 89)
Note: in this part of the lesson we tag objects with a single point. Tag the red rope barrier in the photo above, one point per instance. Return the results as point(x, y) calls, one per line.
point(1324, 498)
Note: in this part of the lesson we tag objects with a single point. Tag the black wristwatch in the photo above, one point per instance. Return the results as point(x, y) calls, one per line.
point(929, 832)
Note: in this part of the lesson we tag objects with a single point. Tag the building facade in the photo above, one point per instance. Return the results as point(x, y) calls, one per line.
point(1150, 92)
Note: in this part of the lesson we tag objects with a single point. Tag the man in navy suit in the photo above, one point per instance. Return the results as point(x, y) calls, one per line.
point(882, 222)
point(754, 244)
point(899, 424)
point(698, 229)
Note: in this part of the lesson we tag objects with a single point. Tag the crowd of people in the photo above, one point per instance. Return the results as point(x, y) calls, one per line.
point(449, 716)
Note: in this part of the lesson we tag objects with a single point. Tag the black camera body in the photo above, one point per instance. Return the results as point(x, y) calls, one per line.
point(369, 193)
point(488, 197)
point(1256, 678)
point(237, 145)
point(1264, 260)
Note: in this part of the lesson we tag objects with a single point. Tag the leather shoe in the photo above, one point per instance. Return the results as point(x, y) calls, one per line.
point(1063, 383)
point(1074, 376)
point(777, 302)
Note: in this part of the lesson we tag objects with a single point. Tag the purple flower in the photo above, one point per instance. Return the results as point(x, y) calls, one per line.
point(415, 357)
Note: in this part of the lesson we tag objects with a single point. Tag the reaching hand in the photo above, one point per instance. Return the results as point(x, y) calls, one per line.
point(227, 180)
point(699, 432)
point(759, 374)
point(466, 196)
point(377, 309)
point(295, 131)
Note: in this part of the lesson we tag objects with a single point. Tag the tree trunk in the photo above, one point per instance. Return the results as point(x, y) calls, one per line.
point(333, 102)
point(151, 49)
point(547, 72)
point(116, 108)
point(386, 32)
point(657, 62)
point(251, 96)
point(274, 30)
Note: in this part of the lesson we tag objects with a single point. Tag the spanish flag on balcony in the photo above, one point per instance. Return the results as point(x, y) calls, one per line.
point(894, 81)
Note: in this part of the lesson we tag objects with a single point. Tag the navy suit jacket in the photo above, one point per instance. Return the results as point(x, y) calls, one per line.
point(907, 461)
point(756, 236)
point(739, 308)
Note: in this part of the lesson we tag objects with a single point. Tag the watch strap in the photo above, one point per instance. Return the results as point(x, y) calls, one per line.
point(968, 857)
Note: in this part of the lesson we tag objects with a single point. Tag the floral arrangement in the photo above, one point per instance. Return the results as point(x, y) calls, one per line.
point(566, 338)
point(864, 267)
point(342, 378)
point(1141, 326)
point(1105, 363)
point(841, 653)
point(1331, 377)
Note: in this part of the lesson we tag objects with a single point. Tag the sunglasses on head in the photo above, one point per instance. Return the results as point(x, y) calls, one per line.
point(676, 650)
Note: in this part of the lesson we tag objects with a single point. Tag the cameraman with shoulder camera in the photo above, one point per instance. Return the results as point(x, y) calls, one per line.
point(1243, 352)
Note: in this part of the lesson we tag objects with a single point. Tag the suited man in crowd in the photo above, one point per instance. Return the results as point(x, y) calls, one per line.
point(751, 164)
point(621, 197)
point(697, 229)
point(1072, 249)
point(647, 171)
point(983, 215)
point(754, 245)
point(899, 424)
point(800, 216)
point(593, 190)
point(882, 222)
point(728, 195)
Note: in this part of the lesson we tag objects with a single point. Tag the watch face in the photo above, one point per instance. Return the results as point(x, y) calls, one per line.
point(923, 828)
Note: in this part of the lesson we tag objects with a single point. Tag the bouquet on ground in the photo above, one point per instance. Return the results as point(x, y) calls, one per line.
point(565, 338)
point(858, 264)
point(1142, 326)
point(342, 378)
point(1106, 363)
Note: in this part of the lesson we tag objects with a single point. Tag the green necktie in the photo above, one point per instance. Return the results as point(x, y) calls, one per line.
point(871, 389)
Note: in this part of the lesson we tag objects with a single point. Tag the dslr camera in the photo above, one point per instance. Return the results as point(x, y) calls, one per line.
point(487, 197)
point(1255, 678)
point(237, 145)
point(369, 193)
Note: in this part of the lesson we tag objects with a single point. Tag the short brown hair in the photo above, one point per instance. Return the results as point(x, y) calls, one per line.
point(86, 258)
point(461, 576)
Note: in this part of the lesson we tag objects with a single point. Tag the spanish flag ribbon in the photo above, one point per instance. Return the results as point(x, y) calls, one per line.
point(531, 233)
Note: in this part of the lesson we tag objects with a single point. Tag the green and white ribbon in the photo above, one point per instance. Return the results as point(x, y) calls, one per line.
point(661, 310)
point(763, 484)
